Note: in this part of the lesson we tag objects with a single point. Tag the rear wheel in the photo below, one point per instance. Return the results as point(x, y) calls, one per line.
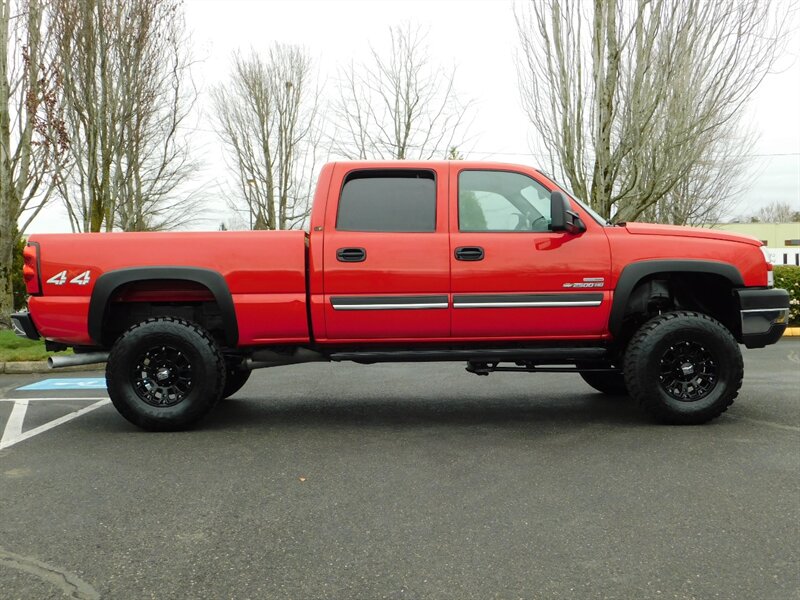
point(609, 383)
point(683, 368)
point(165, 374)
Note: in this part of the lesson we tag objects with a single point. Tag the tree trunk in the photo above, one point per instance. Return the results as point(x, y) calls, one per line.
point(7, 190)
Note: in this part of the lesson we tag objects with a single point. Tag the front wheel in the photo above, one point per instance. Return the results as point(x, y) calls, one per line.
point(683, 368)
point(608, 382)
point(165, 374)
point(235, 380)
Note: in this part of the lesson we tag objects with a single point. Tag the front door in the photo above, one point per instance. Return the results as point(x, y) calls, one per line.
point(512, 278)
point(386, 249)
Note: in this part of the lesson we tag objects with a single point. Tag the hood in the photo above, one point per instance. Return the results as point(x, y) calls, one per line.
point(696, 232)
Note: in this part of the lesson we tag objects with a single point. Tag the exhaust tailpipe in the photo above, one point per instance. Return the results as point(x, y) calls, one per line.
point(89, 358)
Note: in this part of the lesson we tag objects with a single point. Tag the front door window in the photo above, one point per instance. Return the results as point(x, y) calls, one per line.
point(501, 201)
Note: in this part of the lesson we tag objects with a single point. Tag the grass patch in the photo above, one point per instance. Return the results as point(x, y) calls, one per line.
point(14, 348)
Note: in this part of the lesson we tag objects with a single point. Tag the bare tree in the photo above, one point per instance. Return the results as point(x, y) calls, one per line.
point(127, 93)
point(778, 212)
point(398, 105)
point(710, 192)
point(267, 119)
point(632, 101)
point(33, 140)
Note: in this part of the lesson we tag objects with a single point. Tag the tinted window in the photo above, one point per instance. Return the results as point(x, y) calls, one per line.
point(394, 201)
point(501, 201)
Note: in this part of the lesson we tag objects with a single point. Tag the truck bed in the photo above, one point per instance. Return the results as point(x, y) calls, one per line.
point(264, 271)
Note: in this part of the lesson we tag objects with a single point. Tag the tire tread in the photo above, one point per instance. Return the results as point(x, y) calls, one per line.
point(154, 424)
point(641, 345)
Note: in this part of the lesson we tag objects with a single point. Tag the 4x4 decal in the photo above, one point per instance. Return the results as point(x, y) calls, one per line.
point(60, 278)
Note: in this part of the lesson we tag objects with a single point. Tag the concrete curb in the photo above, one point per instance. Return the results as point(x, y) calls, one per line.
point(23, 367)
point(792, 332)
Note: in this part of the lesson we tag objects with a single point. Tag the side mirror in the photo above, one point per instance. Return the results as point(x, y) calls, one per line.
point(562, 218)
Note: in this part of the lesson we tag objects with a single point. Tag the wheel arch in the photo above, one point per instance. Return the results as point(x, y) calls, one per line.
point(108, 283)
point(635, 273)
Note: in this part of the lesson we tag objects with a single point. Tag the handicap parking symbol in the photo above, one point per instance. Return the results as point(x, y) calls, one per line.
point(67, 383)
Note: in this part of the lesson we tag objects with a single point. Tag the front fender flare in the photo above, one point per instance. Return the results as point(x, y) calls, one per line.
point(633, 273)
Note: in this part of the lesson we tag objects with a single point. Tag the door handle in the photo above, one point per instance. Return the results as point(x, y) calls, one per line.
point(351, 255)
point(469, 253)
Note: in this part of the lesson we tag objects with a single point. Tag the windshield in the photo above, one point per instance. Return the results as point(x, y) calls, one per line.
point(595, 215)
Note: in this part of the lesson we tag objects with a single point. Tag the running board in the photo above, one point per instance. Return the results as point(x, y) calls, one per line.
point(484, 368)
point(539, 355)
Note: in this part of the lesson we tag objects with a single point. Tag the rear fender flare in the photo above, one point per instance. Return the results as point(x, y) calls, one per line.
point(109, 282)
point(633, 273)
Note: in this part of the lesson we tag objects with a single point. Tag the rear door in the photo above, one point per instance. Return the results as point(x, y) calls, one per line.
point(512, 278)
point(386, 254)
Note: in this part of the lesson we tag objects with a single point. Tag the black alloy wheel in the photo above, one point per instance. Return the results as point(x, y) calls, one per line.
point(162, 376)
point(688, 372)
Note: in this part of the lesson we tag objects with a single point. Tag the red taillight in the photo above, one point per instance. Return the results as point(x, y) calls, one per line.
point(30, 271)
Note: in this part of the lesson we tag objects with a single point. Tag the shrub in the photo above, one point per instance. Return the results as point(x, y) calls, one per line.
point(788, 278)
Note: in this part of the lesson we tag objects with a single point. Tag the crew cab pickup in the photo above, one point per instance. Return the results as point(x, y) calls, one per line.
point(490, 264)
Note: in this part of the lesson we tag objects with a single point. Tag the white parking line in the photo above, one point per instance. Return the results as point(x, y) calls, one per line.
point(13, 432)
point(14, 425)
point(62, 398)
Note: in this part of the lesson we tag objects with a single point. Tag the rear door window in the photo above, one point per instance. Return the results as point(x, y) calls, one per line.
point(396, 200)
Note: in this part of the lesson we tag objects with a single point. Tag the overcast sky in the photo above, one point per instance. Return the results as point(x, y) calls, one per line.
point(478, 38)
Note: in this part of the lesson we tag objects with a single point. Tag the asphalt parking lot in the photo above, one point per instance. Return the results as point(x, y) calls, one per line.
point(404, 481)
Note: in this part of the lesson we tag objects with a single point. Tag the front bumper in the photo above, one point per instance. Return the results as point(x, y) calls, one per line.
point(765, 315)
point(23, 325)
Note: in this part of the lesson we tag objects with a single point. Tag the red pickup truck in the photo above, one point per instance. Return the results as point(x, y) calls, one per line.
point(491, 264)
